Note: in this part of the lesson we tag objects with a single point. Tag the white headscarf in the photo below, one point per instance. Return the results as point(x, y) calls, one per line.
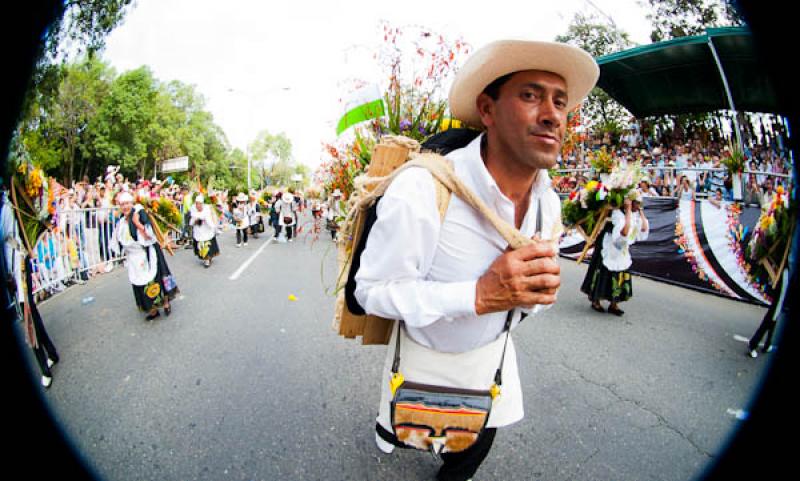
point(124, 197)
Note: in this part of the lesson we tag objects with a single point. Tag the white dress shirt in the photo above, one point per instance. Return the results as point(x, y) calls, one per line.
point(616, 254)
point(423, 270)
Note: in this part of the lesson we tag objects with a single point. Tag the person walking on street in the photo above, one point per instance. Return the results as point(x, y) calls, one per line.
point(770, 320)
point(607, 277)
point(333, 213)
point(287, 218)
point(456, 288)
point(254, 214)
point(153, 284)
point(273, 215)
point(20, 286)
point(241, 220)
point(204, 231)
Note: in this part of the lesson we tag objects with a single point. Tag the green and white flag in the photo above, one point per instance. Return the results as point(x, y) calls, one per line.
point(363, 104)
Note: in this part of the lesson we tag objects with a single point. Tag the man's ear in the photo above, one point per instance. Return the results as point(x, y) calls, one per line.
point(486, 110)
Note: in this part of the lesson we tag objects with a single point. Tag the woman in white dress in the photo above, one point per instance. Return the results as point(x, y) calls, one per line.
point(204, 224)
point(607, 277)
point(154, 285)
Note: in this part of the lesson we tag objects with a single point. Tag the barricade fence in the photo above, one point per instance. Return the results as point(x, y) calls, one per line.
point(77, 247)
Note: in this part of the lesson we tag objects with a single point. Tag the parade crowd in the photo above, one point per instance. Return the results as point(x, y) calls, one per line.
point(78, 244)
point(692, 169)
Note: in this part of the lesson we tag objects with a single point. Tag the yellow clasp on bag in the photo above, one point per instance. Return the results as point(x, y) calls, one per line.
point(396, 381)
point(494, 391)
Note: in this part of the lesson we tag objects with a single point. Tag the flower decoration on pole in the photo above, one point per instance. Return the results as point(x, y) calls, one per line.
point(602, 161)
point(417, 63)
point(573, 136)
point(33, 195)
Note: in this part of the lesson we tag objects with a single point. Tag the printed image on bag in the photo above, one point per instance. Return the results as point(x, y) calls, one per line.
point(169, 283)
point(439, 419)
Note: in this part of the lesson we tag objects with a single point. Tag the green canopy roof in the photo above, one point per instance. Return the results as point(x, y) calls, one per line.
point(681, 75)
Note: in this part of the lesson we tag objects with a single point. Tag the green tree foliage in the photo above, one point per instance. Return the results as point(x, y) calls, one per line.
point(91, 118)
point(597, 38)
point(271, 158)
point(681, 18)
point(84, 26)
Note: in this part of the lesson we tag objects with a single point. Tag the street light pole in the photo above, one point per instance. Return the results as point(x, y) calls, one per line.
point(248, 169)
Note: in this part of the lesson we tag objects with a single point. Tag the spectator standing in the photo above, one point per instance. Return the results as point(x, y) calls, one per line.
point(767, 193)
point(685, 190)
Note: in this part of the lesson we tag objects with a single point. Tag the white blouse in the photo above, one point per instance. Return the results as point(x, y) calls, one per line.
point(205, 230)
point(616, 255)
point(141, 260)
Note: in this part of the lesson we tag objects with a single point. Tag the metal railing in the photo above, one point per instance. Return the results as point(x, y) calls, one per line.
point(77, 248)
point(696, 169)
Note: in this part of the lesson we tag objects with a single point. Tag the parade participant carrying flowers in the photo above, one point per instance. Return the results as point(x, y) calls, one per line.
point(768, 250)
point(608, 277)
point(153, 284)
point(204, 223)
point(451, 281)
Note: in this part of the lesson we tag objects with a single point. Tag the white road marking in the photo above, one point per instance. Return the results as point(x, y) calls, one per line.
point(241, 268)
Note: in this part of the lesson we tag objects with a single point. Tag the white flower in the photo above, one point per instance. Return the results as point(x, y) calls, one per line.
point(602, 193)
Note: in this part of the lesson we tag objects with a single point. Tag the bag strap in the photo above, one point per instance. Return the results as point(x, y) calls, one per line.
point(498, 376)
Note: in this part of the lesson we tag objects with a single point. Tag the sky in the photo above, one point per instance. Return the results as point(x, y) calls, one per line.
point(282, 66)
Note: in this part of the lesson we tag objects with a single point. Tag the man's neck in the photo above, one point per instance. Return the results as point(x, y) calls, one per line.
point(513, 178)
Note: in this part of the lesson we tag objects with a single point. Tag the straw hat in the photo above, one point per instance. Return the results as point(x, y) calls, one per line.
point(241, 197)
point(576, 66)
point(199, 198)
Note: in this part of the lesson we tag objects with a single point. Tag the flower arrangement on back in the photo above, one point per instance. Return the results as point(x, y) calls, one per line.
point(769, 245)
point(589, 205)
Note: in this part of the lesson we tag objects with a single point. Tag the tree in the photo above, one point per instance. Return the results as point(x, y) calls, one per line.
point(681, 18)
point(125, 122)
point(84, 26)
point(83, 29)
point(273, 152)
point(597, 38)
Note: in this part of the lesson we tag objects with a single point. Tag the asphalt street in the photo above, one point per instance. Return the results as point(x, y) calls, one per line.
point(243, 382)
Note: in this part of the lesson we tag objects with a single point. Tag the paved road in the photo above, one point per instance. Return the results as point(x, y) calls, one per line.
point(242, 383)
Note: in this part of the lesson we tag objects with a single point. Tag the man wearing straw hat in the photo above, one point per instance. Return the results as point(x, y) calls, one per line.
point(452, 281)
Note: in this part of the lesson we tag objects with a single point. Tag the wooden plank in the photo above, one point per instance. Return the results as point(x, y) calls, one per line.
point(377, 330)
